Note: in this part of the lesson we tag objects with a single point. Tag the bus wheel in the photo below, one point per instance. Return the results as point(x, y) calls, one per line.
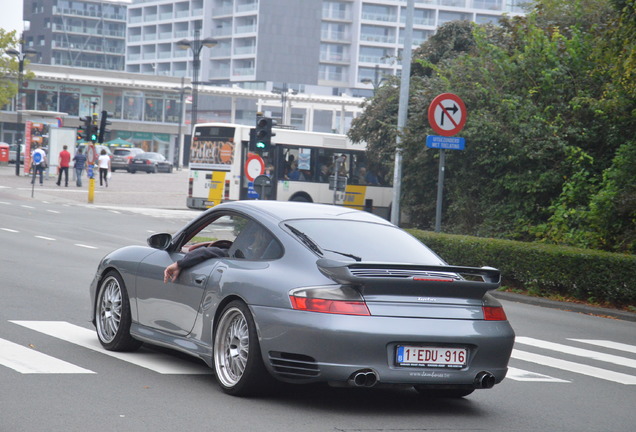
point(300, 198)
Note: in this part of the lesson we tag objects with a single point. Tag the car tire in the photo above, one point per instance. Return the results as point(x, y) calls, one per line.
point(112, 315)
point(238, 363)
point(132, 171)
point(443, 393)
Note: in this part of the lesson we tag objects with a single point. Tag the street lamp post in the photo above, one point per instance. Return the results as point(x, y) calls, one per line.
point(21, 56)
point(182, 90)
point(376, 79)
point(196, 45)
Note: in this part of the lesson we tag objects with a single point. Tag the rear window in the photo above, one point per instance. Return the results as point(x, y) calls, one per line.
point(365, 240)
point(122, 152)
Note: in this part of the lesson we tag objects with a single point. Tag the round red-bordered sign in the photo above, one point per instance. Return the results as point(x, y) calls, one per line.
point(254, 166)
point(447, 114)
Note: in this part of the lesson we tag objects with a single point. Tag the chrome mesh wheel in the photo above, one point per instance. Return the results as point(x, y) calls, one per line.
point(231, 347)
point(109, 310)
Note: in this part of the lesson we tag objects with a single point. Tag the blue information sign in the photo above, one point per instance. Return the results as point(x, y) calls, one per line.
point(251, 192)
point(447, 143)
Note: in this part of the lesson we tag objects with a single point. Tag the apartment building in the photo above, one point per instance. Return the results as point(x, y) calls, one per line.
point(324, 46)
point(77, 33)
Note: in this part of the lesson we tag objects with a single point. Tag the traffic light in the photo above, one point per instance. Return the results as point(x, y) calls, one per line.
point(95, 130)
point(103, 127)
point(263, 133)
point(88, 128)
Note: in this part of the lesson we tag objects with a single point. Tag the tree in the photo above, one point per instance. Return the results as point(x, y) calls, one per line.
point(8, 67)
point(549, 105)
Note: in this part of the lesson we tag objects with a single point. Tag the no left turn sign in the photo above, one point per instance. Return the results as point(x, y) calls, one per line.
point(447, 114)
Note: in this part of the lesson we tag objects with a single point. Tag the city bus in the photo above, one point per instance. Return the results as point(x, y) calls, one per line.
point(299, 166)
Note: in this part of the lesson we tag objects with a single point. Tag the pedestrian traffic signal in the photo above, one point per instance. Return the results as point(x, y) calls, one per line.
point(88, 128)
point(103, 127)
point(263, 133)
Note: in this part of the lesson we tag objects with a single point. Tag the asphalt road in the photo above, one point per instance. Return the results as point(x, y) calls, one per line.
point(569, 371)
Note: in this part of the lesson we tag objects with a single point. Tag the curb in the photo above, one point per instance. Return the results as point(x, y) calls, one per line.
point(566, 306)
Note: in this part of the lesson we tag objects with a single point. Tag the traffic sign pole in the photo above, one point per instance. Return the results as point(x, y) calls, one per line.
point(447, 116)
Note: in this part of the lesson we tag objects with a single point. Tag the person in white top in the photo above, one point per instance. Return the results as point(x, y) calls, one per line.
point(104, 167)
point(40, 165)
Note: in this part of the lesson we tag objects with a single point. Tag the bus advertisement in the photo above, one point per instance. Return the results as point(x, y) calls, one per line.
point(303, 166)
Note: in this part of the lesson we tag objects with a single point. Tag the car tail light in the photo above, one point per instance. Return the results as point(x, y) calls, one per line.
point(342, 300)
point(190, 186)
point(494, 313)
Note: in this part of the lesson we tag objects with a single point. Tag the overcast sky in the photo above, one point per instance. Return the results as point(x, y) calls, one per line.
point(11, 16)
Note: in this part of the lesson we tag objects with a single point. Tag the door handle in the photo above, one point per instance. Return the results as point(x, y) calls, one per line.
point(199, 280)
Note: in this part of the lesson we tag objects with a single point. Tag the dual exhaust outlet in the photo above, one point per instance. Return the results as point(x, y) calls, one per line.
point(369, 378)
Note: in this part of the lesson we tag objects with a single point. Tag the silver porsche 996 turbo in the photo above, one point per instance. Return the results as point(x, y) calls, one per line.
point(304, 293)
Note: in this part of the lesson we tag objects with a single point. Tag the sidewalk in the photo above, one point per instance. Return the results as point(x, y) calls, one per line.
point(166, 191)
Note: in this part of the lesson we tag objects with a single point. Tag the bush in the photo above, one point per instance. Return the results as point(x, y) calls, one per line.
point(541, 269)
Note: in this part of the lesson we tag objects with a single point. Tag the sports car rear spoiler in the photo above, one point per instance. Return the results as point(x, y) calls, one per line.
point(447, 281)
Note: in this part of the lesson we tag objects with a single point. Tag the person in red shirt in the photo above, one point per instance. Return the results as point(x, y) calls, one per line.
point(63, 163)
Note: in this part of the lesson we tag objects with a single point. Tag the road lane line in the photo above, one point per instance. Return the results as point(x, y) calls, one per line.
point(27, 206)
point(160, 363)
point(566, 349)
point(574, 367)
point(53, 211)
point(9, 230)
point(609, 344)
point(45, 238)
point(85, 246)
point(524, 375)
point(29, 361)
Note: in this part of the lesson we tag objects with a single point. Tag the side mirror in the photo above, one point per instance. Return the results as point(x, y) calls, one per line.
point(159, 241)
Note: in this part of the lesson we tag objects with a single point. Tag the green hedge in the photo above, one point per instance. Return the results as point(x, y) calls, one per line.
point(542, 269)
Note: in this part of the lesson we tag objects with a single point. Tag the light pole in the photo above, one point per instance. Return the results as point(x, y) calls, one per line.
point(196, 45)
point(284, 98)
point(376, 79)
point(182, 90)
point(21, 56)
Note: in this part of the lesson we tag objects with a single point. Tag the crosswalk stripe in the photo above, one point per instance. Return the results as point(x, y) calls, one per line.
point(608, 358)
point(609, 344)
point(86, 338)
point(524, 375)
point(29, 361)
point(575, 367)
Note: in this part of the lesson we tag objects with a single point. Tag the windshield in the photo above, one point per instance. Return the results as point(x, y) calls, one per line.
point(354, 240)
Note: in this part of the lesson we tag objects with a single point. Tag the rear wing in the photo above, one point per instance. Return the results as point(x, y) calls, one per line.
point(437, 280)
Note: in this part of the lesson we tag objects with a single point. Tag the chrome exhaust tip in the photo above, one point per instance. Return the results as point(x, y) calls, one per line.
point(484, 380)
point(363, 378)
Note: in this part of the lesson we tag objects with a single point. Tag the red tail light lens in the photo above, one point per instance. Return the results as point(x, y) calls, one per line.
point(494, 313)
point(341, 300)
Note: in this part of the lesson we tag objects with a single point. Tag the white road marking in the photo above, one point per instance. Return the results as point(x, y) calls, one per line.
point(86, 338)
point(45, 238)
point(524, 375)
point(608, 344)
point(9, 230)
point(85, 246)
point(575, 367)
point(608, 358)
point(29, 361)
point(26, 206)
point(53, 211)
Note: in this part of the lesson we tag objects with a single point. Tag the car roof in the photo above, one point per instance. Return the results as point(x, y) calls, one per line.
point(286, 210)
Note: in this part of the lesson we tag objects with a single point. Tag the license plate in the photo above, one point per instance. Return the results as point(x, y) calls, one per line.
point(431, 357)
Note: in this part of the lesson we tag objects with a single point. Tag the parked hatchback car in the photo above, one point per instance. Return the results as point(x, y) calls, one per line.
point(12, 153)
point(123, 156)
point(150, 162)
point(305, 293)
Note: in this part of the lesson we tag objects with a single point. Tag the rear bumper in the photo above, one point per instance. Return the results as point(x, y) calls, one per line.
point(331, 348)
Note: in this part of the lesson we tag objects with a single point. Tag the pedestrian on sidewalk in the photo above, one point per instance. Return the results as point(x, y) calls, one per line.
point(79, 164)
point(104, 167)
point(40, 166)
point(64, 161)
